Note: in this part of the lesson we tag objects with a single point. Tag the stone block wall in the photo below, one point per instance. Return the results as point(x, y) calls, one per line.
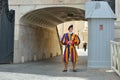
point(36, 43)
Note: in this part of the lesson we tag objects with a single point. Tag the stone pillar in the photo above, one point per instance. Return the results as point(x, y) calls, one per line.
point(117, 23)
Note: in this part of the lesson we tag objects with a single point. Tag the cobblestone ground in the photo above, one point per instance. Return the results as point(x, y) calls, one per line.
point(51, 69)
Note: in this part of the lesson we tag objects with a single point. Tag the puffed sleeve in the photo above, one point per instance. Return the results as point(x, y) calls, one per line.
point(63, 40)
point(76, 40)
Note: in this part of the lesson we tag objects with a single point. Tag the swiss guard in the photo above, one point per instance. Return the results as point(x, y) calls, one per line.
point(70, 40)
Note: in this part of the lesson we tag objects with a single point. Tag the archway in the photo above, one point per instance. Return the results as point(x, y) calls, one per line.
point(39, 36)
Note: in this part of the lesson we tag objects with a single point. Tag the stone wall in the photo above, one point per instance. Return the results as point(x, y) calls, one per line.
point(36, 43)
point(117, 23)
point(26, 2)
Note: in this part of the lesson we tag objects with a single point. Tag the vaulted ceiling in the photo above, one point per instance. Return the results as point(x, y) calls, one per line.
point(53, 16)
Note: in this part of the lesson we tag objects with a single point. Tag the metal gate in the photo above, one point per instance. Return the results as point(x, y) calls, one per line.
point(6, 32)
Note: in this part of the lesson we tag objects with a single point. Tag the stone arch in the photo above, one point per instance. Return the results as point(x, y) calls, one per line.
point(38, 36)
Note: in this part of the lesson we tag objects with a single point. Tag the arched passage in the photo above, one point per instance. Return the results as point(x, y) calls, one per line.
point(39, 36)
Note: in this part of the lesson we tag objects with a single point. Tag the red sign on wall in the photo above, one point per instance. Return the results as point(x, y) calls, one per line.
point(101, 27)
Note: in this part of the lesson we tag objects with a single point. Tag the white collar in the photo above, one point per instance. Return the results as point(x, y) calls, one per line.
point(71, 32)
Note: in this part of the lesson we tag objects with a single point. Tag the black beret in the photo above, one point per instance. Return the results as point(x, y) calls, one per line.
point(71, 26)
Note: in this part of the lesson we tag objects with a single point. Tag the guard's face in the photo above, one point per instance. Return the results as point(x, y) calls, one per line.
point(71, 29)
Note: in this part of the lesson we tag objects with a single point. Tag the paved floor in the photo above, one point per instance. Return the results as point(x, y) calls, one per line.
point(51, 69)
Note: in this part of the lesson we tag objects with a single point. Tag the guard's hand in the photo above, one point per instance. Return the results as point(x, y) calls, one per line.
point(70, 42)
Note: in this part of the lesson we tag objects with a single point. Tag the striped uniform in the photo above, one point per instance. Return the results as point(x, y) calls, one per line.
point(70, 51)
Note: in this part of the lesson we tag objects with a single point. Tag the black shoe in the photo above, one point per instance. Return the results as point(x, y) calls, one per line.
point(64, 70)
point(74, 70)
